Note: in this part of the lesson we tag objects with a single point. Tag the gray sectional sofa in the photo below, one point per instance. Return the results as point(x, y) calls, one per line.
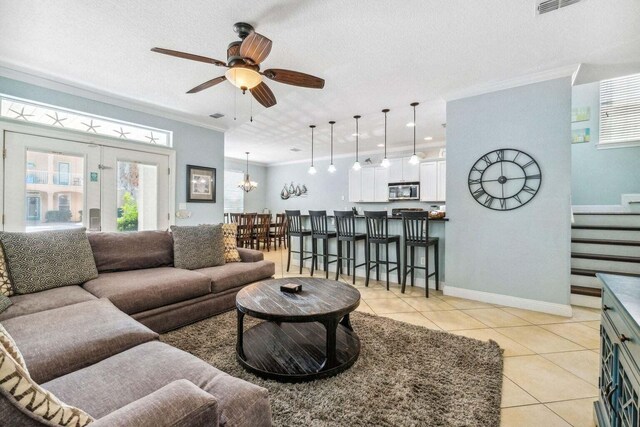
point(95, 346)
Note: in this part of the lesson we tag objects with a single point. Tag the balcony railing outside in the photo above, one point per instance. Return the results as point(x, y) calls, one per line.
point(56, 178)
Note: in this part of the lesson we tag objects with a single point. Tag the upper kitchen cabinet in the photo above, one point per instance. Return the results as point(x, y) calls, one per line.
point(400, 170)
point(369, 184)
point(433, 181)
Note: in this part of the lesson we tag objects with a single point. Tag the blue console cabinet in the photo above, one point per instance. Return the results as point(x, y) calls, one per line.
point(619, 398)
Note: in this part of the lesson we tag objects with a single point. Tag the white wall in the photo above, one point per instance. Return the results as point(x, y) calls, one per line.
point(524, 253)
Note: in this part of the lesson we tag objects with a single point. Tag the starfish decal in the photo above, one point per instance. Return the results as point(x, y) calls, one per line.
point(121, 133)
point(56, 120)
point(91, 127)
point(152, 139)
point(21, 114)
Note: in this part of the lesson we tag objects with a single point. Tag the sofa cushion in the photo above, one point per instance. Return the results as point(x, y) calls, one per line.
point(48, 259)
point(10, 346)
point(140, 290)
point(5, 302)
point(27, 397)
point(236, 274)
point(56, 342)
point(198, 246)
point(230, 231)
point(131, 251)
point(128, 376)
point(45, 300)
point(5, 282)
point(250, 255)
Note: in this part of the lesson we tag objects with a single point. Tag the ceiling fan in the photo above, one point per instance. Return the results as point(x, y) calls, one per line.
point(243, 63)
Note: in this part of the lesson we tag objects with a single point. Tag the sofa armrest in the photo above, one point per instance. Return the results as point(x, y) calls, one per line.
point(178, 404)
point(250, 255)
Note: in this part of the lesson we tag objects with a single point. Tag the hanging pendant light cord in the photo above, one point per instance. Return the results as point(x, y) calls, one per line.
point(414, 129)
point(357, 136)
point(312, 126)
point(385, 132)
point(331, 142)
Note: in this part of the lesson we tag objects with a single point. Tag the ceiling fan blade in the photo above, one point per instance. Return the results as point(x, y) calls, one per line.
point(294, 78)
point(208, 84)
point(263, 95)
point(190, 56)
point(255, 47)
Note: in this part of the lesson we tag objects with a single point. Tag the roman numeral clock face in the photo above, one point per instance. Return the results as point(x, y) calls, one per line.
point(504, 179)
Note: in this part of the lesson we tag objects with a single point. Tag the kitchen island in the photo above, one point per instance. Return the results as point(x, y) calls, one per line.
point(436, 229)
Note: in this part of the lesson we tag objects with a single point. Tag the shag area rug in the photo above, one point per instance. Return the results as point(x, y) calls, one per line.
point(406, 375)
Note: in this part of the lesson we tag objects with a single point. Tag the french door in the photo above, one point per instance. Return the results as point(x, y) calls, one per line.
point(53, 183)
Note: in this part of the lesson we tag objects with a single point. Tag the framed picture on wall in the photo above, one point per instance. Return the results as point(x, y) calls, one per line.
point(201, 184)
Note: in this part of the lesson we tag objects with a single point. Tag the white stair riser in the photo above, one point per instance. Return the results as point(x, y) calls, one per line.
point(615, 220)
point(588, 248)
point(606, 234)
point(587, 281)
point(598, 265)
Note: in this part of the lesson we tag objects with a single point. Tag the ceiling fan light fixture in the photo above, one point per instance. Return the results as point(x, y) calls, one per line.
point(243, 78)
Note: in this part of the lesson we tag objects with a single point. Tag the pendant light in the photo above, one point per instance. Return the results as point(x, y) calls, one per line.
point(247, 185)
point(414, 160)
point(385, 161)
point(332, 168)
point(312, 169)
point(356, 165)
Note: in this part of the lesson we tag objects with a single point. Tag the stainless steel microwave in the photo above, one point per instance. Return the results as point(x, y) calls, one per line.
point(404, 191)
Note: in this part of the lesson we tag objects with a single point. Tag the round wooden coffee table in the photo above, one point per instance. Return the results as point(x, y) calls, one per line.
point(306, 336)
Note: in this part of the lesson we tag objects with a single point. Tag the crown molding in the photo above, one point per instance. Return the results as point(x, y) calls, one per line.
point(37, 78)
point(527, 79)
point(244, 161)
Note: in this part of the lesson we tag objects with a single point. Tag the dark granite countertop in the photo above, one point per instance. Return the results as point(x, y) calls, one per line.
point(626, 289)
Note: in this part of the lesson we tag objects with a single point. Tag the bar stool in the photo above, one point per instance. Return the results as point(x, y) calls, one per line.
point(378, 234)
point(415, 230)
point(320, 231)
point(346, 232)
point(294, 221)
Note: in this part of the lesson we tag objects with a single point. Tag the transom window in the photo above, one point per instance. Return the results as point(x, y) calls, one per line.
point(23, 110)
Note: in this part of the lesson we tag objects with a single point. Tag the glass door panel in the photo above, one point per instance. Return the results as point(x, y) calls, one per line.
point(46, 187)
point(136, 184)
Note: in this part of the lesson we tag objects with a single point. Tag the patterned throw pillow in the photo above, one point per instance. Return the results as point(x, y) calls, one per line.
point(231, 253)
point(5, 302)
point(5, 282)
point(197, 246)
point(10, 346)
point(18, 387)
point(48, 259)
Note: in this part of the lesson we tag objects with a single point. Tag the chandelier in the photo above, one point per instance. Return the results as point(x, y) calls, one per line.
point(246, 184)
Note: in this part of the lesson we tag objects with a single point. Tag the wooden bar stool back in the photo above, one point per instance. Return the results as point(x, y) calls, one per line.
point(295, 229)
point(346, 232)
point(378, 235)
point(320, 231)
point(415, 230)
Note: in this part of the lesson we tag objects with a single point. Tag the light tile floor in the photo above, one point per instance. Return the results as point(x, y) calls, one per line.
point(551, 362)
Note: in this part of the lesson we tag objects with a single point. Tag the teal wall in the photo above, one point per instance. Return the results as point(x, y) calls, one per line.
point(523, 253)
point(193, 144)
point(600, 176)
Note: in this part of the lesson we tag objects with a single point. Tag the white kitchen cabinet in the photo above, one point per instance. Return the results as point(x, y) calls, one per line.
point(367, 177)
point(355, 185)
point(395, 170)
point(433, 181)
point(410, 173)
point(381, 185)
point(442, 180)
point(369, 184)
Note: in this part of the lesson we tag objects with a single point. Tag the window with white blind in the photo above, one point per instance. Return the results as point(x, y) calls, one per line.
point(620, 111)
point(233, 195)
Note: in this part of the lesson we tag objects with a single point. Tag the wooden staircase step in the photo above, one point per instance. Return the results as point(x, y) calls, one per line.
point(601, 257)
point(584, 290)
point(604, 227)
point(592, 273)
point(606, 242)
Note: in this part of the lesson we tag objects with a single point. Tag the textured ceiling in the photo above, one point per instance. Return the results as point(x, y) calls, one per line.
point(372, 54)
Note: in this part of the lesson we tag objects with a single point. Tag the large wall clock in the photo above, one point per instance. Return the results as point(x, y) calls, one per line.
point(504, 179)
